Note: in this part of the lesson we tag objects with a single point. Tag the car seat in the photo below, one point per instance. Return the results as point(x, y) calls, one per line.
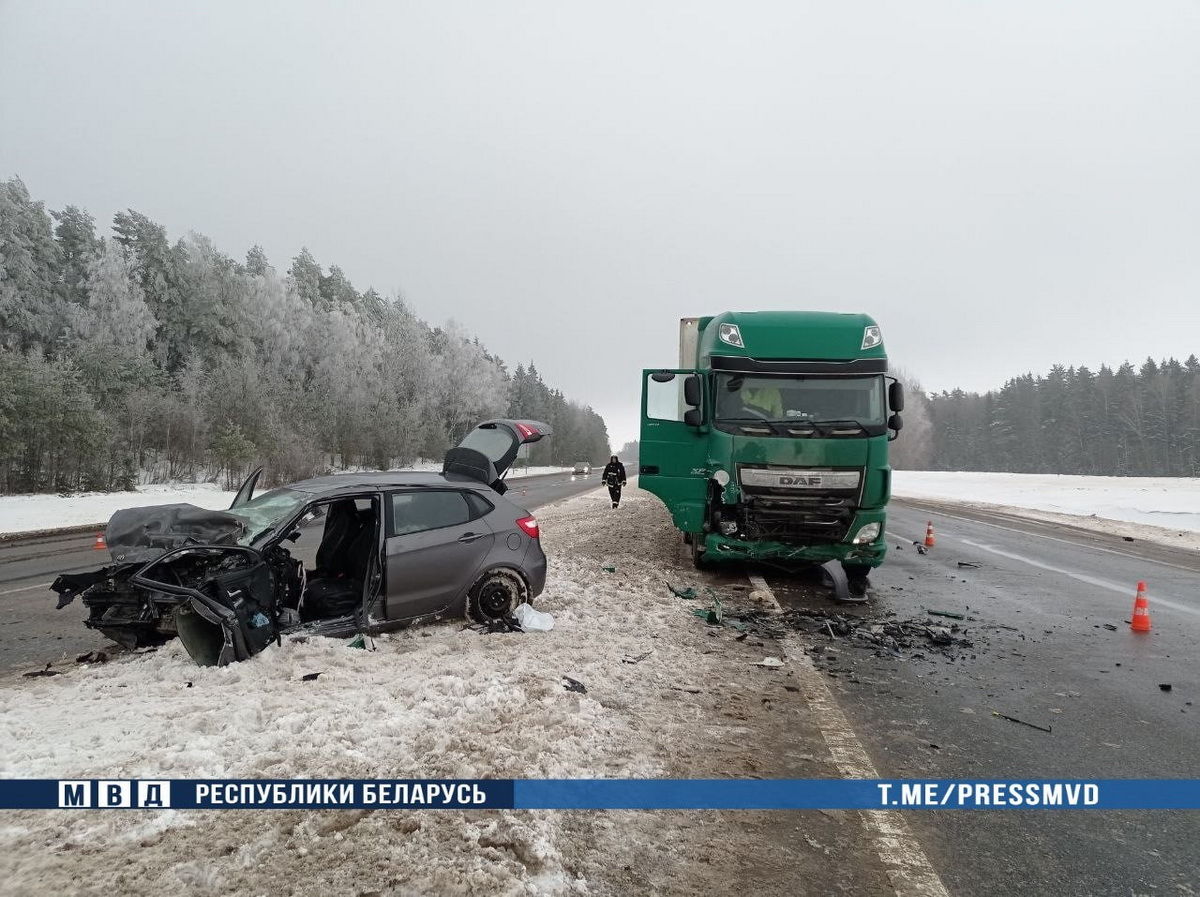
point(335, 588)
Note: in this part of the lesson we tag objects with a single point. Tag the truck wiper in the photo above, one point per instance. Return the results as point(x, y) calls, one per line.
point(847, 426)
point(772, 425)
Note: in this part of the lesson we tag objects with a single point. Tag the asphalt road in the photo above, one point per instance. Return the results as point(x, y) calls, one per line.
point(1037, 608)
point(33, 633)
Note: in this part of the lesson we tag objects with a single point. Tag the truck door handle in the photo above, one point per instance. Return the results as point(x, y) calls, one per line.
point(470, 537)
point(649, 469)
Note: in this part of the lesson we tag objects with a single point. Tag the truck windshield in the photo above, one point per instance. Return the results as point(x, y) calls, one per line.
point(817, 406)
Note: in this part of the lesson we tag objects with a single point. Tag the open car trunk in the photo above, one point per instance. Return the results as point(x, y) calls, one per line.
point(487, 452)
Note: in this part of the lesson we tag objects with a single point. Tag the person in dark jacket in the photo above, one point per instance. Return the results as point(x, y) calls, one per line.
point(614, 478)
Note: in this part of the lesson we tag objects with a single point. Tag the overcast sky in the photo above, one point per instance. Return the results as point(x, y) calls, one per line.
point(1004, 186)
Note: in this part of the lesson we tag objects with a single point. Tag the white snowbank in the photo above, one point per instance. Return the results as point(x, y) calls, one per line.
point(1163, 509)
point(30, 513)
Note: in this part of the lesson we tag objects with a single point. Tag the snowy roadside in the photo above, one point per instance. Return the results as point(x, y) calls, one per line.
point(666, 696)
point(35, 513)
point(1165, 510)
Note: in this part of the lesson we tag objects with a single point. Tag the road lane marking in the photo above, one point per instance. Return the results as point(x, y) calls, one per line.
point(908, 869)
point(45, 586)
point(1083, 577)
point(1074, 544)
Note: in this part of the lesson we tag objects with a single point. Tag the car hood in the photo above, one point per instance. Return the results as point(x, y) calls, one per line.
point(139, 535)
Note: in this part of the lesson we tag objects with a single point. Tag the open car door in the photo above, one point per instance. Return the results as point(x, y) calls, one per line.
point(488, 451)
point(247, 491)
point(228, 611)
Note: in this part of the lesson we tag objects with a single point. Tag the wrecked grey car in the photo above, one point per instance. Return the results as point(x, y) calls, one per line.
point(335, 555)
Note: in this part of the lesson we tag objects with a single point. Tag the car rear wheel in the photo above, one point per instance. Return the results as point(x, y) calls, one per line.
point(496, 595)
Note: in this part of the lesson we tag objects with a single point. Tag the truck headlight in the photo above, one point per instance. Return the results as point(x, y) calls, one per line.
point(729, 333)
point(872, 336)
point(729, 526)
point(868, 533)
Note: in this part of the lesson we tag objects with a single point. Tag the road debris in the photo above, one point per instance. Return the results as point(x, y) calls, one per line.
point(609, 569)
point(712, 615)
point(1013, 719)
point(946, 613)
point(1165, 686)
point(43, 672)
point(689, 592)
point(574, 685)
point(530, 620)
point(967, 564)
point(770, 662)
point(635, 658)
point(92, 657)
point(309, 677)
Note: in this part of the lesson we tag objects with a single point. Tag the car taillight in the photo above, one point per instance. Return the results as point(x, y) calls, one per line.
point(529, 524)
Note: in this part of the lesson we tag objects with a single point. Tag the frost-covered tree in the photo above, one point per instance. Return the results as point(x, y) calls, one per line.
point(135, 357)
point(31, 308)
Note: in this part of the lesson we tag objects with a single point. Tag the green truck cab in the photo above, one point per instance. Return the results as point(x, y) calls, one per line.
point(770, 441)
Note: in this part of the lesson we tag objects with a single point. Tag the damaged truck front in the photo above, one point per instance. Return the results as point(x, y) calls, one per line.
point(390, 548)
point(770, 441)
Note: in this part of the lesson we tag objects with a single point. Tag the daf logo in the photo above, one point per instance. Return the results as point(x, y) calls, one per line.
point(799, 481)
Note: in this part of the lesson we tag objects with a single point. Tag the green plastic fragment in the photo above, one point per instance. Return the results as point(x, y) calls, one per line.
point(711, 615)
point(609, 569)
point(689, 592)
point(357, 642)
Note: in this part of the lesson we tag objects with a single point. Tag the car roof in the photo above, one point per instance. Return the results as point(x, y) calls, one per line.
point(388, 479)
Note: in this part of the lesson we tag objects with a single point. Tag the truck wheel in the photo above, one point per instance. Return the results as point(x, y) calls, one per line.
point(687, 538)
point(496, 595)
point(698, 559)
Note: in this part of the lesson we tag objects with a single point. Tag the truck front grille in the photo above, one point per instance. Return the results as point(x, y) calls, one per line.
point(799, 506)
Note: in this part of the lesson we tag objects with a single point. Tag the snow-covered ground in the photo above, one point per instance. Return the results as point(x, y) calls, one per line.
point(666, 696)
point(30, 513)
point(1159, 509)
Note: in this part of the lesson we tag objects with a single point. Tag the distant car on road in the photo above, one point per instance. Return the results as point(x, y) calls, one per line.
point(582, 468)
point(334, 555)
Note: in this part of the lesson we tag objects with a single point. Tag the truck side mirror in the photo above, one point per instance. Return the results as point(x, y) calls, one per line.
point(895, 424)
point(693, 418)
point(896, 396)
point(691, 391)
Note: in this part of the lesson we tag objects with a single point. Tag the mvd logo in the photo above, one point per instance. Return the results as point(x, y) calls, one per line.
point(106, 794)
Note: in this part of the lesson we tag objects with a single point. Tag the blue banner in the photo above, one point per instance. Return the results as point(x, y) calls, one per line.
point(603, 794)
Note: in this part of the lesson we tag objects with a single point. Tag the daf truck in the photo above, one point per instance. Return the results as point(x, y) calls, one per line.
point(769, 442)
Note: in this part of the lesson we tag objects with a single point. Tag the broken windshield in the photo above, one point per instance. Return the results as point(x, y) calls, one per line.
point(792, 406)
point(267, 511)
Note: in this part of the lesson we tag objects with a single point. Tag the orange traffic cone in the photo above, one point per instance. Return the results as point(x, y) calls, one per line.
point(1141, 610)
point(929, 535)
point(100, 544)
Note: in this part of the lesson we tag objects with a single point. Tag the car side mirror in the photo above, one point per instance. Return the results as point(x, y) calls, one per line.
point(896, 396)
point(691, 391)
point(693, 418)
point(895, 424)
